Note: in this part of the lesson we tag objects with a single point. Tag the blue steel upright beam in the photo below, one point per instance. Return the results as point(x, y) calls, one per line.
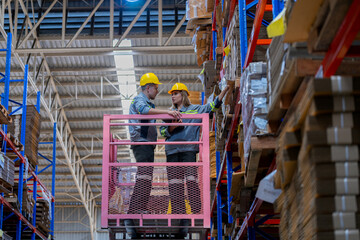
point(218, 197)
point(22, 140)
point(278, 6)
point(214, 35)
point(5, 98)
point(229, 179)
point(243, 31)
point(5, 103)
point(53, 184)
point(38, 95)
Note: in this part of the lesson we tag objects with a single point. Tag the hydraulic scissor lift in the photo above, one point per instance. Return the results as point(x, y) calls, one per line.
point(158, 220)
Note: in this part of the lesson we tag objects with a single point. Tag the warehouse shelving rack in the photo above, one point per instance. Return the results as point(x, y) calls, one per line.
point(9, 145)
point(247, 51)
point(340, 47)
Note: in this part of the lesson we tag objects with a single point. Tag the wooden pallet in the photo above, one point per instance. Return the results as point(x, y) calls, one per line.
point(327, 23)
point(5, 117)
point(193, 23)
point(5, 187)
point(15, 141)
point(262, 148)
point(286, 88)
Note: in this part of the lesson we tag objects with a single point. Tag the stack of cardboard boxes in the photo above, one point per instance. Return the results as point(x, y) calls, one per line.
point(321, 200)
point(32, 133)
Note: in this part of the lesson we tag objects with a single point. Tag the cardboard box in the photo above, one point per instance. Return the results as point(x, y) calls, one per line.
point(196, 9)
point(343, 120)
point(334, 153)
point(332, 136)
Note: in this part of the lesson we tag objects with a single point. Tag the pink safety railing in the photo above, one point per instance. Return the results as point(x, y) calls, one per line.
point(189, 198)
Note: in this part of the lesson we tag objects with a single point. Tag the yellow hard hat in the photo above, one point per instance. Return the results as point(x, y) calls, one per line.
point(149, 78)
point(179, 87)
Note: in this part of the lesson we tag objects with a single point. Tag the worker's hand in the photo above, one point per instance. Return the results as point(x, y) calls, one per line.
point(175, 114)
point(226, 88)
point(223, 92)
point(171, 128)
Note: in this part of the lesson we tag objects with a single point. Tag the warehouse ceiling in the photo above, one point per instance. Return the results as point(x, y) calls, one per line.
point(86, 59)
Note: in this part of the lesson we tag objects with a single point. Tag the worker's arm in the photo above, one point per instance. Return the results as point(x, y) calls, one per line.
point(213, 106)
point(142, 107)
point(172, 113)
point(223, 92)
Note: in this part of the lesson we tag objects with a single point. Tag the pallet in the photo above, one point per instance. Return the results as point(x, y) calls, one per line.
point(15, 141)
point(327, 23)
point(225, 125)
point(5, 187)
point(193, 23)
point(5, 117)
point(261, 148)
point(286, 88)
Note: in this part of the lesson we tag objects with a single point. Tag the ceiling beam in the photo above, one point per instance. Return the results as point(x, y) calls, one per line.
point(114, 69)
point(189, 49)
point(45, 37)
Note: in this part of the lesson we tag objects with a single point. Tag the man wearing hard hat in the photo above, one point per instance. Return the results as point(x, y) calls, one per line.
point(144, 153)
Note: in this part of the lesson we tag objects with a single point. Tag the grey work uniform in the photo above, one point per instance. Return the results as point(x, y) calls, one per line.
point(143, 153)
point(185, 153)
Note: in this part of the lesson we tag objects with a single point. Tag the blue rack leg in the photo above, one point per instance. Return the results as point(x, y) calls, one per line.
point(218, 198)
point(5, 99)
point(229, 179)
point(22, 140)
point(251, 233)
point(214, 34)
point(5, 103)
point(278, 6)
point(243, 31)
point(53, 183)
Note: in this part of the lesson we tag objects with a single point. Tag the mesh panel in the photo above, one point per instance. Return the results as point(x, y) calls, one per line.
point(155, 190)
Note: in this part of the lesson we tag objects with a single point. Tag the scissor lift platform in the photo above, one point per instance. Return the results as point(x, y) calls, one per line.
point(160, 219)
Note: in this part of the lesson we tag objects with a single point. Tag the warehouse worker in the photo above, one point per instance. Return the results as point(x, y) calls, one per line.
point(185, 153)
point(144, 153)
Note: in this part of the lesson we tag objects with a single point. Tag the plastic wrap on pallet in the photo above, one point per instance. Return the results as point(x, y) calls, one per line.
point(196, 9)
point(254, 99)
point(7, 170)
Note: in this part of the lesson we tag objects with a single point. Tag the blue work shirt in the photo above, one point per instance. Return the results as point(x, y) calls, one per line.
point(187, 133)
point(142, 105)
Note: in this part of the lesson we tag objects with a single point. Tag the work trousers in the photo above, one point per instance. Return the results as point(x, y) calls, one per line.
point(141, 194)
point(177, 176)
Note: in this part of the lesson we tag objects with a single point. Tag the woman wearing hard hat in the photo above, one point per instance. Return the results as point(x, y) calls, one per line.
point(185, 153)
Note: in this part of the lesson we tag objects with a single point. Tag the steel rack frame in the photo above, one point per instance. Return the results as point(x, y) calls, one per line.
point(8, 144)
